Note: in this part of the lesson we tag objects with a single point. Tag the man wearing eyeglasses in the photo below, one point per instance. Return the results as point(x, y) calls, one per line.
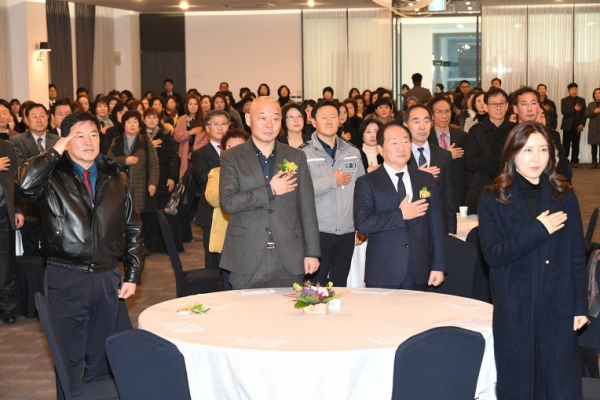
point(478, 145)
point(334, 166)
point(272, 239)
point(203, 160)
point(451, 139)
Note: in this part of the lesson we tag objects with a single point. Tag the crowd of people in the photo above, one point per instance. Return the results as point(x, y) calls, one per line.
point(283, 191)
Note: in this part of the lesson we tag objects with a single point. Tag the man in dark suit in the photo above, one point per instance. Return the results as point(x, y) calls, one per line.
point(451, 139)
point(10, 220)
point(272, 239)
point(400, 210)
point(203, 160)
point(28, 144)
point(548, 105)
point(422, 94)
point(572, 108)
point(432, 159)
point(169, 91)
point(464, 87)
point(60, 109)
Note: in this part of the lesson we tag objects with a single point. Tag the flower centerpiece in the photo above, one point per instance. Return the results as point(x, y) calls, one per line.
point(313, 299)
point(287, 166)
point(195, 308)
point(424, 193)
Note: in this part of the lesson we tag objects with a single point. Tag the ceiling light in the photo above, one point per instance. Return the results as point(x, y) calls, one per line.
point(184, 5)
point(310, 3)
point(460, 26)
point(469, 8)
point(468, 3)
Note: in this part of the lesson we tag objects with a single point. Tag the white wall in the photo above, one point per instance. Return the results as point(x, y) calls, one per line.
point(127, 43)
point(417, 48)
point(244, 49)
point(27, 27)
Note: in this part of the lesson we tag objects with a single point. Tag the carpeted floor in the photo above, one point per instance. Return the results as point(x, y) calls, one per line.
point(26, 369)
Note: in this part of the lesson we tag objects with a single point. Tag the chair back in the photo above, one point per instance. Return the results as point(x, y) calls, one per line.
point(441, 363)
point(589, 233)
point(146, 366)
point(56, 345)
point(167, 235)
point(461, 260)
point(481, 282)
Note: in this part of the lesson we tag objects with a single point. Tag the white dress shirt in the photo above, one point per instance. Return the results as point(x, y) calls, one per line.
point(426, 153)
point(405, 179)
point(217, 146)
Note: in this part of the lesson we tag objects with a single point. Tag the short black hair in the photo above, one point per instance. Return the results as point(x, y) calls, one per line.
point(81, 90)
point(265, 85)
point(385, 127)
point(128, 94)
point(321, 104)
point(287, 109)
point(243, 92)
point(118, 107)
point(414, 107)
point(464, 81)
point(215, 113)
point(34, 105)
point(132, 114)
point(540, 85)
point(363, 126)
point(417, 78)
point(281, 87)
point(572, 85)
point(494, 92)
point(61, 102)
point(169, 80)
point(440, 86)
point(521, 91)
point(383, 101)
point(328, 89)
point(51, 85)
point(437, 99)
point(497, 79)
point(234, 133)
point(72, 119)
point(5, 103)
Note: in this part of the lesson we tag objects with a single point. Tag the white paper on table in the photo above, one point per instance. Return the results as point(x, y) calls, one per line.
point(252, 292)
point(459, 307)
point(377, 292)
point(258, 342)
point(184, 327)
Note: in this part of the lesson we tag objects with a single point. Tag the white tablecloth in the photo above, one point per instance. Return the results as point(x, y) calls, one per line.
point(465, 224)
point(257, 346)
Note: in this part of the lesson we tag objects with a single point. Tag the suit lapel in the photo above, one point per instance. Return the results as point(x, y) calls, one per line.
point(416, 185)
point(385, 183)
point(250, 160)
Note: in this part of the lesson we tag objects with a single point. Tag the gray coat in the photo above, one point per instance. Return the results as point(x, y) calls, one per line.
point(594, 126)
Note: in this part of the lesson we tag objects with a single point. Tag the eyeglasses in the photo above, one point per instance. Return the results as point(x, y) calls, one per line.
point(216, 124)
point(442, 112)
point(293, 117)
point(496, 105)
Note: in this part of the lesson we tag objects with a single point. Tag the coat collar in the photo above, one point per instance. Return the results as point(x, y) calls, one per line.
point(517, 200)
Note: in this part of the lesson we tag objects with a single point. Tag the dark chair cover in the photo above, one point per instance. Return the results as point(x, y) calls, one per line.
point(481, 284)
point(461, 260)
point(441, 363)
point(591, 389)
point(146, 366)
point(72, 389)
point(30, 271)
point(191, 281)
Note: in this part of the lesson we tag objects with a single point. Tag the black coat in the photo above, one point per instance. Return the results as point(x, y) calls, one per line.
point(538, 284)
point(168, 167)
point(571, 118)
point(203, 160)
point(461, 186)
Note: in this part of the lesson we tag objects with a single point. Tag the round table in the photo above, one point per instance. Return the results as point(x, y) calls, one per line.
point(253, 344)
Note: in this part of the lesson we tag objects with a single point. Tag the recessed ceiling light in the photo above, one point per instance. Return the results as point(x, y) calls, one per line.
point(469, 8)
point(184, 5)
point(460, 26)
point(468, 3)
point(310, 3)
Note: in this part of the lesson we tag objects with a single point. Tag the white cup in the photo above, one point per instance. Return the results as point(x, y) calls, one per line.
point(463, 211)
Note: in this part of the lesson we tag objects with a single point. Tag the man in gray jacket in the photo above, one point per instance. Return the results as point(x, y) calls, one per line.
point(334, 166)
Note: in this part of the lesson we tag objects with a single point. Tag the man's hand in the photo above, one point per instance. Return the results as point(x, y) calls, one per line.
point(19, 220)
point(170, 184)
point(457, 152)
point(579, 128)
point(436, 278)
point(580, 322)
point(4, 163)
point(103, 129)
point(552, 222)
point(62, 143)
point(131, 160)
point(342, 178)
point(360, 238)
point(127, 290)
point(283, 183)
point(151, 190)
point(546, 107)
point(435, 171)
point(413, 210)
point(311, 265)
point(157, 143)
point(578, 107)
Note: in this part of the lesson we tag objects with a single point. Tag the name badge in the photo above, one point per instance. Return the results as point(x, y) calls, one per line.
point(350, 166)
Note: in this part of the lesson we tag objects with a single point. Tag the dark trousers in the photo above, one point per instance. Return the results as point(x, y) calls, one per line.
point(336, 257)
point(8, 297)
point(270, 274)
point(408, 283)
point(211, 260)
point(30, 235)
point(85, 308)
point(594, 153)
point(152, 238)
point(572, 137)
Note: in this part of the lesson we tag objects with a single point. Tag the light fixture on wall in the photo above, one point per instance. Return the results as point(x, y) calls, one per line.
point(310, 3)
point(42, 49)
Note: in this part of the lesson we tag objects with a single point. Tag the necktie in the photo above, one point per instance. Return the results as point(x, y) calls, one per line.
point(422, 160)
point(443, 143)
point(400, 187)
point(220, 149)
point(88, 183)
point(39, 143)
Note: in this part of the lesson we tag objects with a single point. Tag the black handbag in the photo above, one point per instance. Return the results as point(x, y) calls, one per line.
point(171, 207)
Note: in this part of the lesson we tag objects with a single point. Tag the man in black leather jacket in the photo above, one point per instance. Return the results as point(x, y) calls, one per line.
point(88, 222)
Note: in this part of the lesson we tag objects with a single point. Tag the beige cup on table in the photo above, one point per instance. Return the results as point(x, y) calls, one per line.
point(463, 211)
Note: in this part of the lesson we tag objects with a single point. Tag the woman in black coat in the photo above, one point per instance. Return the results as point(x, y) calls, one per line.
point(532, 238)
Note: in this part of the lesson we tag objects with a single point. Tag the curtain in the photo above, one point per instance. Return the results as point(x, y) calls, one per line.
point(369, 48)
point(84, 30)
point(587, 61)
point(59, 38)
point(325, 48)
point(104, 79)
point(5, 82)
point(504, 45)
